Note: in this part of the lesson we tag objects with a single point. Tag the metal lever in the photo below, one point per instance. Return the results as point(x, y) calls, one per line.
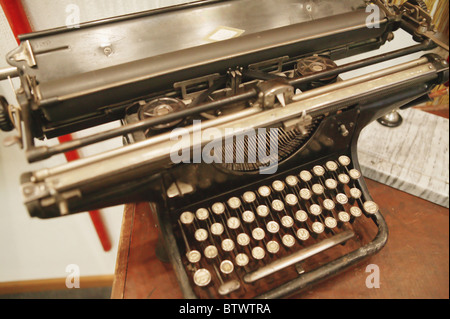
point(298, 256)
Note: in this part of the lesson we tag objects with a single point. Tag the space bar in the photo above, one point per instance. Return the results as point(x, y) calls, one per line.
point(297, 256)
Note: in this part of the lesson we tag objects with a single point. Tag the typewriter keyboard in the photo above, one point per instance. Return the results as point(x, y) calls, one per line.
point(248, 243)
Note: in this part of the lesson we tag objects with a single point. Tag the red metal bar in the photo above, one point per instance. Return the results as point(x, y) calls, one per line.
point(18, 21)
point(16, 16)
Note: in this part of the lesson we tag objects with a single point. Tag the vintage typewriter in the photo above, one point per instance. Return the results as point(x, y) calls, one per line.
point(238, 130)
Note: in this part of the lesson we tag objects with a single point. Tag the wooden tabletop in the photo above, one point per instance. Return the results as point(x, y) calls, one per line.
point(413, 264)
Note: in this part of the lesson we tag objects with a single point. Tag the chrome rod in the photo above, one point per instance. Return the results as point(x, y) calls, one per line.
point(8, 73)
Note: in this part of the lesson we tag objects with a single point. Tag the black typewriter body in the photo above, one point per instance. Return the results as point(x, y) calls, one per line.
point(229, 228)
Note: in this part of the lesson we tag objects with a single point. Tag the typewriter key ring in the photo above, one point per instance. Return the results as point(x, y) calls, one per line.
point(273, 247)
point(202, 277)
point(186, 218)
point(242, 260)
point(249, 197)
point(210, 252)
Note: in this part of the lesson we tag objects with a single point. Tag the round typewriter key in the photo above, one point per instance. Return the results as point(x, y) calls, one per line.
point(355, 193)
point(318, 170)
point(302, 234)
point(278, 185)
point(258, 253)
point(330, 222)
point(258, 233)
point(202, 277)
point(341, 199)
point(218, 208)
point(317, 189)
point(288, 240)
point(354, 173)
point(343, 178)
point(344, 160)
point(262, 210)
point(227, 244)
point(331, 183)
point(217, 229)
point(242, 259)
point(273, 227)
point(291, 199)
point(331, 166)
point(305, 176)
point(202, 214)
point(318, 227)
point(277, 205)
point(328, 204)
point(355, 211)
point(264, 191)
point(305, 194)
point(272, 247)
point(210, 252)
point(187, 218)
point(194, 256)
point(344, 217)
point(226, 267)
point(201, 234)
point(291, 180)
point(248, 216)
point(370, 207)
point(233, 223)
point(249, 197)
point(301, 216)
point(234, 203)
point(243, 239)
point(287, 221)
point(315, 209)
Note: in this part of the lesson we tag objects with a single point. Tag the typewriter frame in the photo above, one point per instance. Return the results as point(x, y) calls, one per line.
point(168, 249)
point(360, 114)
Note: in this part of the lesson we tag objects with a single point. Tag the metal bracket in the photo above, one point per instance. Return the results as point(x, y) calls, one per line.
point(184, 84)
point(417, 16)
point(48, 196)
point(235, 77)
point(275, 89)
point(23, 52)
point(15, 116)
point(277, 63)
